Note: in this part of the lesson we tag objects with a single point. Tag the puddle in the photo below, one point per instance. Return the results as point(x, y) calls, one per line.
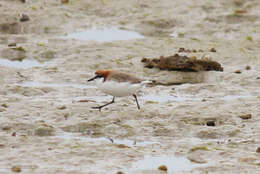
point(236, 97)
point(54, 85)
point(24, 64)
point(104, 35)
point(174, 164)
point(80, 137)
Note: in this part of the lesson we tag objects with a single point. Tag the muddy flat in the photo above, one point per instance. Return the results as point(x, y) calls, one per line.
point(190, 122)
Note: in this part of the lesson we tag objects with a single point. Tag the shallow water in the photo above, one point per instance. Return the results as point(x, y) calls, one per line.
point(79, 137)
point(24, 64)
point(54, 85)
point(104, 35)
point(173, 163)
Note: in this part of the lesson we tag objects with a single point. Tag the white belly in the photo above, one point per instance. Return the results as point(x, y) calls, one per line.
point(118, 89)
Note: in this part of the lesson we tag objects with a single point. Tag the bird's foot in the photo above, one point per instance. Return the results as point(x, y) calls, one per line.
point(97, 107)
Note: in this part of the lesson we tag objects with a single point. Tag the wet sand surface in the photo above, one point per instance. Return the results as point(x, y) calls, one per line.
point(208, 124)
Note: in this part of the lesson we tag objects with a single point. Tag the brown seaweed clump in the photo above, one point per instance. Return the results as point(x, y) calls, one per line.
point(182, 63)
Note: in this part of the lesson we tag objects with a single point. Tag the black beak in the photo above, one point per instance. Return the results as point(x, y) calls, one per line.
point(93, 78)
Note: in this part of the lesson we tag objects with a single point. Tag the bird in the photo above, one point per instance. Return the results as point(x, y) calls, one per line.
point(117, 84)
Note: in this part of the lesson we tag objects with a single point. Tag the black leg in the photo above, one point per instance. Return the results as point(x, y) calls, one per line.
point(136, 101)
point(100, 107)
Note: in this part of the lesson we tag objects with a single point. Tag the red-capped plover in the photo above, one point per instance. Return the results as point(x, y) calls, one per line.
point(117, 84)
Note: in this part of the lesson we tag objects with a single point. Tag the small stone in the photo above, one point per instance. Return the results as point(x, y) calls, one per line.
point(23, 1)
point(62, 107)
point(197, 159)
point(14, 134)
point(2, 109)
point(4, 105)
point(2, 145)
point(238, 71)
point(258, 150)
point(163, 167)
point(16, 169)
point(258, 78)
point(6, 128)
point(213, 50)
point(24, 18)
point(246, 116)
point(248, 67)
point(123, 146)
point(181, 50)
point(119, 172)
point(44, 131)
point(64, 1)
point(211, 123)
point(203, 100)
point(12, 44)
point(192, 58)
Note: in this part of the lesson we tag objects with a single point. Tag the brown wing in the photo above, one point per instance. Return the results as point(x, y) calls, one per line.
point(123, 77)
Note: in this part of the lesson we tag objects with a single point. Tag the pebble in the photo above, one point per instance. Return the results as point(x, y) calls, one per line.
point(248, 67)
point(62, 107)
point(211, 123)
point(238, 71)
point(16, 169)
point(213, 50)
point(119, 172)
point(6, 128)
point(24, 18)
point(64, 1)
point(163, 167)
point(258, 150)
point(246, 116)
point(12, 44)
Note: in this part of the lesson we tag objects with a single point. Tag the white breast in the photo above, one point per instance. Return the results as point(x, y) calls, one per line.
point(117, 89)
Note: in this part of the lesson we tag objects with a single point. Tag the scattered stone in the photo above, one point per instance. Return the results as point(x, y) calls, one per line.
point(205, 148)
point(64, 1)
point(238, 71)
point(44, 131)
point(182, 63)
point(6, 128)
point(14, 134)
point(258, 150)
point(2, 145)
point(213, 50)
point(203, 100)
point(119, 172)
point(163, 167)
point(196, 158)
point(258, 78)
point(4, 105)
point(19, 49)
point(10, 28)
point(211, 123)
point(23, 1)
point(62, 107)
point(248, 67)
point(123, 146)
point(246, 116)
point(2, 109)
point(16, 169)
point(12, 44)
point(247, 160)
point(184, 50)
point(24, 18)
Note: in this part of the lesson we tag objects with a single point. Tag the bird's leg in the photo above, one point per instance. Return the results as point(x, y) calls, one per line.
point(100, 107)
point(136, 101)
